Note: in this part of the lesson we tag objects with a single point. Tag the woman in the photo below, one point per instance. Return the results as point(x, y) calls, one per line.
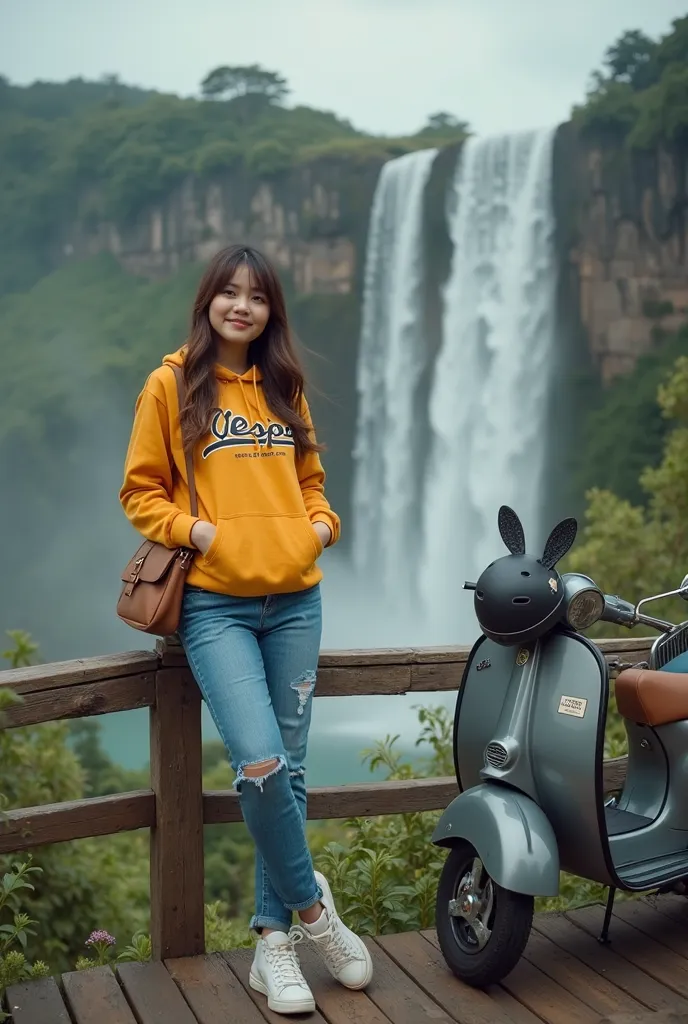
point(251, 615)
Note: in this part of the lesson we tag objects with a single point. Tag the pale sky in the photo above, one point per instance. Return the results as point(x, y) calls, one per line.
point(383, 64)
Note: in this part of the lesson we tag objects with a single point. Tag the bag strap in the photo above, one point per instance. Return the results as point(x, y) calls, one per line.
point(188, 453)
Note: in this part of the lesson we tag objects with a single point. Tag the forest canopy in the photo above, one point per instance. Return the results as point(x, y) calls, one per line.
point(641, 94)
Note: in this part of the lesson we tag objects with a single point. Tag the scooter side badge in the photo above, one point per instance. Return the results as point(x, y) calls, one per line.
point(522, 656)
point(575, 706)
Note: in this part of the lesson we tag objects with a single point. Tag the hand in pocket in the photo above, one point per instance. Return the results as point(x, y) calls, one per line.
point(203, 535)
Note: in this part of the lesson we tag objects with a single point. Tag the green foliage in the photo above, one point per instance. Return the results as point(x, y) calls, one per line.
point(77, 886)
point(642, 95)
point(230, 82)
point(14, 966)
point(443, 127)
point(102, 949)
point(218, 156)
point(384, 872)
point(663, 114)
point(22, 651)
point(223, 933)
point(638, 551)
point(630, 59)
point(267, 158)
point(625, 429)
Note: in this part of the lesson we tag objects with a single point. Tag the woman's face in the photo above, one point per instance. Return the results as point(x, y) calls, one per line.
point(239, 313)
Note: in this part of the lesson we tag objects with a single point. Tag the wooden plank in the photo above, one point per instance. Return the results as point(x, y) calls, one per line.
point(212, 991)
point(516, 1011)
point(588, 986)
point(431, 668)
point(94, 997)
point(82, 701)
point(645, 953)
point(78, 672)
point(544, 997)
point(643, 916)
point(76, 819)
point(176, 861)
point(614, 773)
point(646, 1017)
point(424, 964)
point(37, 1002)
point(337, 1004)
point(605, 961)
point(671, 905)
point(364, 800)
point(239, 961)
point(395, 994)
point(363, 680)
point(154, 997)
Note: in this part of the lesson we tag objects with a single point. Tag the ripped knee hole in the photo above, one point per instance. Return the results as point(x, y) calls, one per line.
point(261, 769)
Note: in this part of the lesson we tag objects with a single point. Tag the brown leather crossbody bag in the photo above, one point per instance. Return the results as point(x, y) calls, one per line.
point(153, 580)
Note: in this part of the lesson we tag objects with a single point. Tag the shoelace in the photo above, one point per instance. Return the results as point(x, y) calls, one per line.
point(284, 962)
point(334, 943)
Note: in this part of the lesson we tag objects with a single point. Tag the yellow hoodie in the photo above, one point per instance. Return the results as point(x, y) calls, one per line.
point(262, 500)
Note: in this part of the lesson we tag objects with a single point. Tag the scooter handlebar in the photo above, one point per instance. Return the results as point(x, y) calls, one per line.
point(618, 611)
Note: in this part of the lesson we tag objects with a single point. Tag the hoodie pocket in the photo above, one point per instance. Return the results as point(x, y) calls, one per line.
point(262, 554)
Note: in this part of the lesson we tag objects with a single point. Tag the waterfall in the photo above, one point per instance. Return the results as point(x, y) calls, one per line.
point(489, 400)
point(425, 515)
point(391, 360)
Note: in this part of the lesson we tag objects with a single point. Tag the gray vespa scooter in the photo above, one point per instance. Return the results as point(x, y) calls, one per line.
point(528, 750)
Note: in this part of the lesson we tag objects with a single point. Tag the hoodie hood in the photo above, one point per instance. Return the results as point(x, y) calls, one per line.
point(252, 398)
point(253, 373)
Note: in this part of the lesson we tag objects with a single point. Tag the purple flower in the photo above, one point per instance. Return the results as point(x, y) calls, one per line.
point(100, 937)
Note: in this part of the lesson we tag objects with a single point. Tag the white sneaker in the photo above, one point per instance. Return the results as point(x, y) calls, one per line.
point(346, 956)
point(276, 973)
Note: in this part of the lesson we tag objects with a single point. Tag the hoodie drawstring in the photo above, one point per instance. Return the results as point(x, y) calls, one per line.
point(259, 411)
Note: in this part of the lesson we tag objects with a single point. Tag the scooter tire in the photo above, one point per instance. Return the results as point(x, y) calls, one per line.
point(510, 923)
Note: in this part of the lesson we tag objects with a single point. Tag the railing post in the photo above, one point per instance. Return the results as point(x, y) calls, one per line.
point(176, 851)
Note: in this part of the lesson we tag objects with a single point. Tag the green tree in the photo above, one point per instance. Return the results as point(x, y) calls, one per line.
point(442, 123)
point(638, 551)
point(630, 59)
point(642, 93)
point(230, 82)
point(663, 115)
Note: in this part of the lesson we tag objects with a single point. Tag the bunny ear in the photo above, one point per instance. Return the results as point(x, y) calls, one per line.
point(558, 543)
point(511, 531)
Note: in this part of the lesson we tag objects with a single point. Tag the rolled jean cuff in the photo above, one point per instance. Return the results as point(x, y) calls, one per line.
point(308, 903)
point(258, 922)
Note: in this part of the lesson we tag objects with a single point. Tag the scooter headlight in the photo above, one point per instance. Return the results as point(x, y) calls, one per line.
point(585, 609)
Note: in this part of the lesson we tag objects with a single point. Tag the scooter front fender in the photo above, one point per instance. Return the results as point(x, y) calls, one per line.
point(510, 834)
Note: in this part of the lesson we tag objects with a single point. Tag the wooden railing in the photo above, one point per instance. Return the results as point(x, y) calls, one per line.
point(175, 808)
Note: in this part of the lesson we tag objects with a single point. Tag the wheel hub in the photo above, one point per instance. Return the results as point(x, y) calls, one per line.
point(472, 906)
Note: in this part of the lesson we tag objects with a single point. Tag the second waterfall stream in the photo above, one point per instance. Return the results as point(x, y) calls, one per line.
point(433, 464)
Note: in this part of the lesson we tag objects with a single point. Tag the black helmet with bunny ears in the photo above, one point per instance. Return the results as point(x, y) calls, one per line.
point(519, 597)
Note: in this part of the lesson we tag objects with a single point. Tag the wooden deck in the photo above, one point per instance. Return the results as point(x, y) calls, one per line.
point(566, 977)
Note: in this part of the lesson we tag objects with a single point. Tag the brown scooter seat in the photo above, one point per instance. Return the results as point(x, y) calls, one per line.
point(652, 698)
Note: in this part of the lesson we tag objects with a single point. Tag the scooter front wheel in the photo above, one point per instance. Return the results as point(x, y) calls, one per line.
point(482, 928)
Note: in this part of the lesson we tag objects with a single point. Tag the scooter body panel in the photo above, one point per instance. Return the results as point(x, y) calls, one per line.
point(510, 834)
point(533, 720)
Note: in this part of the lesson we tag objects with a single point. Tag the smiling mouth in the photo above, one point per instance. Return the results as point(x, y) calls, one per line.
point(239, 323)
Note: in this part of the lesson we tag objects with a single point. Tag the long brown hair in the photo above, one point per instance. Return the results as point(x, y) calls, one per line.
point(272, 352)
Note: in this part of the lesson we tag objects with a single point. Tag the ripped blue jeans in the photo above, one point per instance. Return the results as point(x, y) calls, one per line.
point(255, 661)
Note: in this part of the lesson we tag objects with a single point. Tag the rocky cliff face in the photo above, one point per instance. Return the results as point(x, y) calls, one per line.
point(310, 222)
point(622, 226)
point(623, 245)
